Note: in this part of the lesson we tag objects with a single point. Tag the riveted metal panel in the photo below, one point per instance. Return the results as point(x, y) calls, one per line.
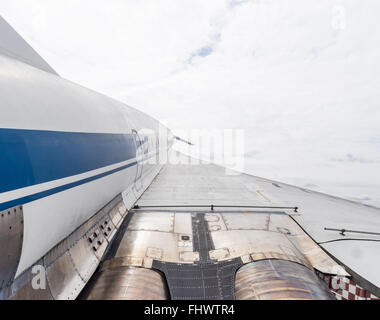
point(107, 227)
point(215, 222)
point(98, 241)
point(72, 262)
point(117, 212)
point(122, 262)
point(218, 254)
point(64, 280)
point(136, 243)
point(160, 221)
point(22, 288)
point(11, 237)
point(116, 217)
point(85, 261)
point(154, 253)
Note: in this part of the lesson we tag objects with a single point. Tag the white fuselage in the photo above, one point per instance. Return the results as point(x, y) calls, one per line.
point(69, 151)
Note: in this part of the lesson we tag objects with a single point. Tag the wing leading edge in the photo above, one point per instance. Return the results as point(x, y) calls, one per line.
point(14, 46)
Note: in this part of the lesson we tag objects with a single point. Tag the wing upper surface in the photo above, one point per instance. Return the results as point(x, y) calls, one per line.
point(206, 184)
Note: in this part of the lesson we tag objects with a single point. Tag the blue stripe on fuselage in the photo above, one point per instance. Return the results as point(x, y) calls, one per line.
point(49, 192)
point(29, 157)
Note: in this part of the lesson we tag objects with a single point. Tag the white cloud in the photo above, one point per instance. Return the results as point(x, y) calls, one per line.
point(301, 77)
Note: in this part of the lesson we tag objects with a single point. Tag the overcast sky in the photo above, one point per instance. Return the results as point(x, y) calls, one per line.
point(300, 77)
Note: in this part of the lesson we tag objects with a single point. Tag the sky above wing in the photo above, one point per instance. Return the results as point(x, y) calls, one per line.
point(302, 78)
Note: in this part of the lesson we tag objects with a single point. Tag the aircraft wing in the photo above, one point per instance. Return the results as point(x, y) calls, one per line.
point(248, 218)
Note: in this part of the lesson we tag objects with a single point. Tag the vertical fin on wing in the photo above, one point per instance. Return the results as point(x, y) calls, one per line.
point(14, 46)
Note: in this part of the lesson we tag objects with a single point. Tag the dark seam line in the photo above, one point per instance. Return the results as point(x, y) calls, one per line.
point(349, 239)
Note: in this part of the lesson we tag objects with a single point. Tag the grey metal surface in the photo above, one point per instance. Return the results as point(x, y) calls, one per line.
point(199, 251)
point(63, 279)
point(203, 184)
point(252, 235)
point(22, 288)
point(279, 280)
point(71, 263)
point(127, 283)
point(11, 237)
point(13, 45)
point(206, 184)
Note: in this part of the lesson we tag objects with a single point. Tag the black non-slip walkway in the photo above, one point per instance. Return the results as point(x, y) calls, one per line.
point(206, 279)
